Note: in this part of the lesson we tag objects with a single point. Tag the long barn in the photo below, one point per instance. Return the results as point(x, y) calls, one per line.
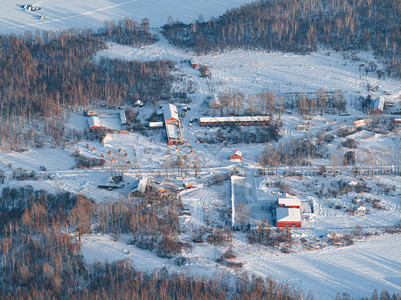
point(235, 121)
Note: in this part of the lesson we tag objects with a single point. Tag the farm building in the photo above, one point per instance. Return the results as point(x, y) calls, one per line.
point(194, 63)
point(93, 122)
point(147, 186)
point(173, 134)
point(288, 217)
point(237, 156)
point(170, 114)
point(139, 187)
point(397, 121)
point(378, 105)
point(287, 200)
point(235, 121)
point(172, 122)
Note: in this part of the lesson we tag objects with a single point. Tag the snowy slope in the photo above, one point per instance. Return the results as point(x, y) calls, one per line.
point(92, 13)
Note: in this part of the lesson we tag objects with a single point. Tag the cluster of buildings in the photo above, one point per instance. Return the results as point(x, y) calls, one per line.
point(288, 211)
point(171, 123)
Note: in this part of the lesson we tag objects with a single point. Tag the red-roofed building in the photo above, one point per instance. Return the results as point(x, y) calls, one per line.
point(237, 156)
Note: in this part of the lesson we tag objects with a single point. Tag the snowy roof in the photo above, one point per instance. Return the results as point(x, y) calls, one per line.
point(123, 119)
point(291, 201)
point(239, 153)
point(93, 121)
point(378, 104)
point(170, 111)
point(140, 185)
point(234, 119)
point(172, 131)
point(288, 214)
point(155, 124)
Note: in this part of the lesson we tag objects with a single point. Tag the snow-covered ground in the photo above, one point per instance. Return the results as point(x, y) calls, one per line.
point(358, 269)
point(93, 13)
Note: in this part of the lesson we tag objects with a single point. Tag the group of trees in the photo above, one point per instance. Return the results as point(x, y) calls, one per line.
point(128, 32)
point(300, 26)
point(321, 103)
point(180, 164)
point(235, 103)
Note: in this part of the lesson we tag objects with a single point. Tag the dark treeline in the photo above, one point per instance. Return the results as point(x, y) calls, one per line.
point(300, 26)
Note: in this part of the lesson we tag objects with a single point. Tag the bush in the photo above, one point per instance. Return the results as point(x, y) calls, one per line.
point(350, 143)
point(168, 247)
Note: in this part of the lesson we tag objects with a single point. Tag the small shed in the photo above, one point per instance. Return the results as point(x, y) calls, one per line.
point(237, 156)
point(194, 63)
point(378, 105)
point(288, 217)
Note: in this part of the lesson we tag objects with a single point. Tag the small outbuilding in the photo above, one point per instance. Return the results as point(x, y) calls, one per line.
point(378, 105)
point(237, 156)
point(194, 63)
point(138, 103)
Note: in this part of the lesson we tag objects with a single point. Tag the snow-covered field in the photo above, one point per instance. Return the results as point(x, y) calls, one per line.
point(92, 13)
point(356, 270)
